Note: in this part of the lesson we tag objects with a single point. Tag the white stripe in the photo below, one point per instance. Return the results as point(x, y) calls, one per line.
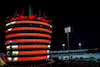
point(10, 23)
point(14, 46)
point(51, 26)
point(7, 24)
point(10, 29)
point(9, 58)
point(14, 52)
point(48, 56)
point(47, 51)
point(49, 46)
point(15, 59)
point(13, 22)
point(8, 52)
point(8, 47)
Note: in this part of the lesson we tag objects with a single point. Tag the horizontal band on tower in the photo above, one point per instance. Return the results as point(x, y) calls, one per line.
point(28, 28)
point(28, 34)
point(28, 40)
point(35, 22)
point(27, 47)
point(19, 59)
point(35, 52)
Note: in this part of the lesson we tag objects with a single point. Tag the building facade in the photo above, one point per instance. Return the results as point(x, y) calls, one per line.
point(28, 38)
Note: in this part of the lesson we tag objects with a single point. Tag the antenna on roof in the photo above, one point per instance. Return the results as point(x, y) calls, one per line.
point(39, 13)
point(22, 11)
point(30, 10)
point(44, 15)
point(15, 13)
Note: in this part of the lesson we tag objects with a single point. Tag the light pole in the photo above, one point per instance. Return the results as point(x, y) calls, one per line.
point(68, 30)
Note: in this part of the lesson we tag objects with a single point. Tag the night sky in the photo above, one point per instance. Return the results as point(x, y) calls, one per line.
point(83, 17)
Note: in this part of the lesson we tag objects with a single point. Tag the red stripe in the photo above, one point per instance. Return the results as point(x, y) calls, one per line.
point(32, 58)
point(32, 46)
point(6, 31)
point(3, 58)
point(32, 52)
point(29, 40)
point(28, 34)
point(36, 22)
point(29, 28)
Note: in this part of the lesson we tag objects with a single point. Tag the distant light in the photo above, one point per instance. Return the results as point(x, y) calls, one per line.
point(79, 44)
point(63, 45)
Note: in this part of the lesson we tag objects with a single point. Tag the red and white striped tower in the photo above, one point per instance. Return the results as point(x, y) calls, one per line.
point(28, 38)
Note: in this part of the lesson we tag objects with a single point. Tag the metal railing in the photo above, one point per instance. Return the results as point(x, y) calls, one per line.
point(66, 51)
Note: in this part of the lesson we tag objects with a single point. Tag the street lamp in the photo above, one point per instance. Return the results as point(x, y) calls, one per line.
point(63, 45)
point(68, 30)
point(79, 44)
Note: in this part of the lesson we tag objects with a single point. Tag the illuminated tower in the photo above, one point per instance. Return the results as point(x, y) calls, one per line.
point(28, 38)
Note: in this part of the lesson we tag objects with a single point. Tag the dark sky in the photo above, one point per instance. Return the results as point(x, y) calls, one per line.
point(82, 16)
